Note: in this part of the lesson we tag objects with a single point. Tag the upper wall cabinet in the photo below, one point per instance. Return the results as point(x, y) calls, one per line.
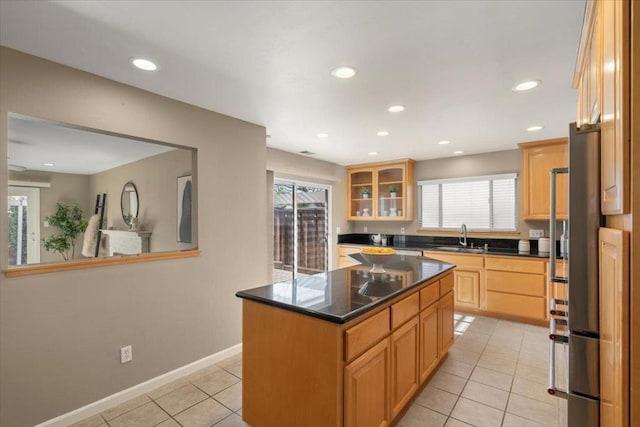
point(602, 77)
point(381, 191)
point(538, 158)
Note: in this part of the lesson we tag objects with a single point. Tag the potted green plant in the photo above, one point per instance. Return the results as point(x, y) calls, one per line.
point(365, 192)
point(393, 191)
point(70, 221)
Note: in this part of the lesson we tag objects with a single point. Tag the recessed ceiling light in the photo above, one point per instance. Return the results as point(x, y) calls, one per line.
point(144, 64)
point(323, 135)
point(382, 133)
point(529, 84)
point(458, 152)
point(534, 128)
point(396, 108)
point(344, 72)
point(444, 142)
point(373, 153)
point(47, 164)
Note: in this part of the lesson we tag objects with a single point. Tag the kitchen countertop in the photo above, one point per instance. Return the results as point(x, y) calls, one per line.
point(344, 294)
point(461, 250)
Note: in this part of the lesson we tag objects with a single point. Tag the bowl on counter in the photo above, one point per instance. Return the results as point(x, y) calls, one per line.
point(377, 257)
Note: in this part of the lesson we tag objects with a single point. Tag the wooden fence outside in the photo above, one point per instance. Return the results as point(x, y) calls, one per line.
point(312, 250)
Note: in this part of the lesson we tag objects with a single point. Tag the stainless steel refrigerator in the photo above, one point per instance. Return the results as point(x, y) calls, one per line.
point(574, 322)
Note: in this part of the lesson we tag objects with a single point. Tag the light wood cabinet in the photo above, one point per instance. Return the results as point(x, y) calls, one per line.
point(538, 158)
point(614, 330)
point(467, 288)
point(615, 131)
point(343, 255)
point(429, 345)
point(445, 312)
point(405, 364)
point(381, 191)
point(589, 81)
point(367, 390)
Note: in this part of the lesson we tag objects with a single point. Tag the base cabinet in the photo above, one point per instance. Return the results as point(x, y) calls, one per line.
point(367, 388)
point(467, 288)
point(405, 343)
point(445, 312)
point(429, 346)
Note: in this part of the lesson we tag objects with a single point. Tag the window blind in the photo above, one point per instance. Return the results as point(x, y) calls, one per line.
point(486, 203)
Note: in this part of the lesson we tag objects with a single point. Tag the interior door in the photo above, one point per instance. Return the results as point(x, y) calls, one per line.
point(24, 225)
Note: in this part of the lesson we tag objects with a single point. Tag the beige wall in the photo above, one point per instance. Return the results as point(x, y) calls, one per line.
point(65, 188)
point(155, 179)
point(60, 333)
point(296, 167)
point(452, 167)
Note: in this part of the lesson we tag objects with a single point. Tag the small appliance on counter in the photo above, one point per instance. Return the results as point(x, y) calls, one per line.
point(524, 247)
point(543, 245)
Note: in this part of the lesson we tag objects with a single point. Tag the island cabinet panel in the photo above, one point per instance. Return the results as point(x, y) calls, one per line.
point(445, 313)
point(296, 355)
point(404, 310)
point(429, 295)
point(429, 346)
point(405, 364)
point(365, 334)
point(446, 284)
point(367, 388)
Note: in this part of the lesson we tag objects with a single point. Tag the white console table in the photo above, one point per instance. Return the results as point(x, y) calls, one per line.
point(121, 242)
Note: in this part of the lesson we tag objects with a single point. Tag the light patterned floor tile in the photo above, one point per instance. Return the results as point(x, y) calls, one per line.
point(204, 414)
point(169, 423)
point(533, 390)
point(469, 357)
point(511, 420)
point(147, 415)
point(452, 422)
point(485, 394)
point(448, 382)
point(213, 380)
point(477, 414)
point(127, 406)
point(418, 416)
point(456, 367)
point(93, 421)
point(496, 363)
point(167, 388)
point(492, 378)
point(533, 410)
point(437, 400)
point(181, 399)
point(532, 374)
point(232, 420)
point(232, 365)
point(231, 397)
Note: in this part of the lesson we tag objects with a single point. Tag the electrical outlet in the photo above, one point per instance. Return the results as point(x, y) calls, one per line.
point(401, 230)
point(533, 233)
point(365, 228)
point(337, 230)
point(126, 354)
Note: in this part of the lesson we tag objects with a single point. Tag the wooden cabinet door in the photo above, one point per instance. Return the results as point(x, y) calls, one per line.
point(405, 364)
point(445, 314)
point(429, 347)
point(614, 327)
point(615, 134)
point(360, 205)
point(366, 391)
point(467, 288)
point(538, 159)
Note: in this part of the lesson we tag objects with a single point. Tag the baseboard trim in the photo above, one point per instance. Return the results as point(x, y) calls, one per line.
point(115, 399)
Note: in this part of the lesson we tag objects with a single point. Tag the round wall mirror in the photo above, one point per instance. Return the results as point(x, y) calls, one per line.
point(129, 202)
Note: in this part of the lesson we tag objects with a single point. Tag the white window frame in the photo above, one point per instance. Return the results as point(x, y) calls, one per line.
point(513, 176)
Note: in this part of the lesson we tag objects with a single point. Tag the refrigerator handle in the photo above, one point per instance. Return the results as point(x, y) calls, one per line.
point(553, 217)
point(554, 338)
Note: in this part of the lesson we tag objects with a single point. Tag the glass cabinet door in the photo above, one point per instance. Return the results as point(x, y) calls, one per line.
point(391, 192)
point(361, 193)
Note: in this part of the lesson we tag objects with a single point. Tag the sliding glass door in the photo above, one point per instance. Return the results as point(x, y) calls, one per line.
point(300, 229)
point(24, 225)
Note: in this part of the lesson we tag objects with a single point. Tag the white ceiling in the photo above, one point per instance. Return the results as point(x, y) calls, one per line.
point(451, 63)
point(32, 143)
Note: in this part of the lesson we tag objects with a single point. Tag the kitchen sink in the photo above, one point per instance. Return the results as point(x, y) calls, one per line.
point(459, 249)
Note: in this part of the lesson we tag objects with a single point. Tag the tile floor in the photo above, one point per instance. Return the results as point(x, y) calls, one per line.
point(495, 375)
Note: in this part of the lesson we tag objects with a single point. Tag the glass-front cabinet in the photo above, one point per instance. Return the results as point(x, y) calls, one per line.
point(381, 191)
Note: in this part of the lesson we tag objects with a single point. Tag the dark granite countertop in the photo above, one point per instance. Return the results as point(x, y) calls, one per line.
point(341, 295)
point(502, 247)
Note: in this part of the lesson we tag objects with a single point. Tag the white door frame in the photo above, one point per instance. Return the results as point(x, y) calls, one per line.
point(33, 220)
point(295, 183)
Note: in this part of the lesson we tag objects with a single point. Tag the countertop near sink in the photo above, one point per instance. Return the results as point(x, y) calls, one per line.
point(344, 294)
point(505, 247)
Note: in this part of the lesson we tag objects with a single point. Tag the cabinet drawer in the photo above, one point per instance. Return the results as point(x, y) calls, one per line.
point(516, 305)
point(518, 265)
point(365, 334)
point(446, 284)
point(348, 250)
point(404, 310)
point(429, 295)
point(459, 260)
point(516, 283)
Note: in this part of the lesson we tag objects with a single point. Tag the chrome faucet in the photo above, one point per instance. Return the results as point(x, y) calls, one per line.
point(463, 235)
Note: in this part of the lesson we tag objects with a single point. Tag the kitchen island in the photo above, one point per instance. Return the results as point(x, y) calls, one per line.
point(347, 347)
